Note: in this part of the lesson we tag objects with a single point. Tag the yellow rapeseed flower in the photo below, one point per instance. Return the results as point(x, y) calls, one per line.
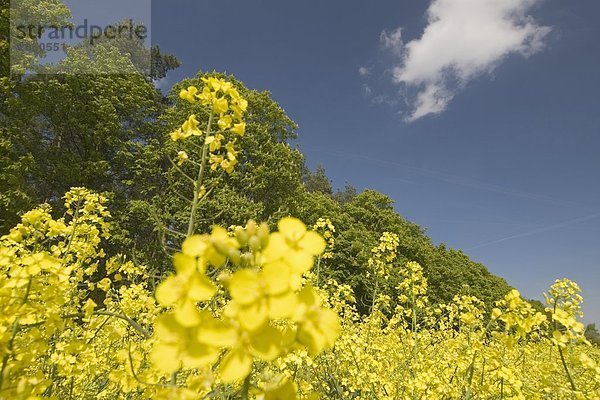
point(318, 327)
point(190, 127)
point(294, 245)
point(220, 105)
point(181, 157)
point(189, 94)
point(185, 289)
point(239, 128)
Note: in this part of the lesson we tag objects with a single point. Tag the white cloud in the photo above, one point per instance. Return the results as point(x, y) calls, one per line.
point(364, 71)
point(463, 39)
point(162, 84)
point(391, 39)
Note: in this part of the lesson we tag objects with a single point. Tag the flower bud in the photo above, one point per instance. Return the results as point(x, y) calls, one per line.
point(241, 236)
point(251, 227)
point(254, 243)
point(263, 234)
point(234, 256)
point(246, 259)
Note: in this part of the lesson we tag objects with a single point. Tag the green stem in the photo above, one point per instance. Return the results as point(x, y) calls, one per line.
point(75, 221)
point(374, 295)
point(413, 304)
point(246, 388)
point(564, 364)
point(135, 325)
point(189, 178)
point(71, 388)
point(131, 322)
point(471, 369)
point(198, 183)
point(9, 348)
point(470, 377)
point(318, 269)
point(562, 357)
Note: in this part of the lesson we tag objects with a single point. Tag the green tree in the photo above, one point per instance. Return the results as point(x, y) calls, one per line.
point(317, 181)
point(592, 334)
point(360, 220)
point(149, 61)
point(75, 130)
point(79, 122)
point(15, 194)
point(264, 184)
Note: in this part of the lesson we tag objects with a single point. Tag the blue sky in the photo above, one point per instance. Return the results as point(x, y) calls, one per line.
point(481, 119)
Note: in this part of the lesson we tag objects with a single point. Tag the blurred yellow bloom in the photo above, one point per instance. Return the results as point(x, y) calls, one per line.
point(236, 365)
point(177, 135)
point(231, 152)
point(318, 327)
point(104, 284)
point(224, 122)
point(88, 308)
point(214, 84)
point(179, 345)
point(214, 142)
point(206, 96)
point(265, 344)
point(259, 296)
point(294, 245)
point(185, 289)
point(214, 248)
point(285, 390)
point(228, 165)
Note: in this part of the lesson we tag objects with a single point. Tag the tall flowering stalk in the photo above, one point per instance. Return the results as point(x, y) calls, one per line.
point(267, 309)
point(226, 109)
point(380, 262)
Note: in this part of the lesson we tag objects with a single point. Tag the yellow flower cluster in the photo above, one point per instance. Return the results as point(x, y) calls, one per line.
point(412, 292)
point(564, 305)
point(455, 350)
point(54, 340)
point(517, 314)
point(383, 254)
point(380, 265)
point(325, 227)
point(463, 313)
point(269, 312)
point(226, 111)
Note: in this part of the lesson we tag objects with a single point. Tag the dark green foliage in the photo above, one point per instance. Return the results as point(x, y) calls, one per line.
point(317, 181)
point(344, 196)
point(148, 61)
point(161, 63)
point(265, 182)
point(359, 223)
point(592, 334)
point(70, 130)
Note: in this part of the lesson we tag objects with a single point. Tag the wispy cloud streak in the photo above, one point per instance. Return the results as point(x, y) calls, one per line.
point(536, 231)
